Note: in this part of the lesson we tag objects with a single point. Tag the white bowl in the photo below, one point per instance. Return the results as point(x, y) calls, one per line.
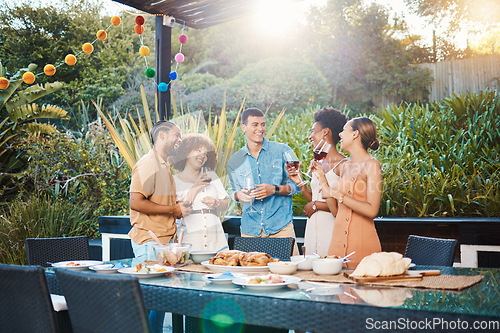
point(306, 265)
point(282, 267)
point(199, 256)
point(326, 266)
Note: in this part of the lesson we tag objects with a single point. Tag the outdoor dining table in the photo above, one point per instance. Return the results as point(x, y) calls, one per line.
point(323, 307)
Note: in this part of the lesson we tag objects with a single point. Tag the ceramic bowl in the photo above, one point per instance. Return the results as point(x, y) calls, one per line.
point(306, 265)
point(172, 254)
point(282, 267)
point(326, 266)
point(199, 256)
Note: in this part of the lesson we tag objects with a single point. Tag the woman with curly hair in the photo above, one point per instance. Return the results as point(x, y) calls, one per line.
point(204, 189)
point(328, 123)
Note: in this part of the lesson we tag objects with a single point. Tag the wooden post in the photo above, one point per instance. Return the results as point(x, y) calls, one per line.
point(163, 59)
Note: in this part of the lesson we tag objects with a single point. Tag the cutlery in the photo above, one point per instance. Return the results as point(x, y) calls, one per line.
point(347, 256)
point(153, 235)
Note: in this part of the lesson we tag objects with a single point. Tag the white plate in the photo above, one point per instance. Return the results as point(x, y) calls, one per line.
point(265, 287)
point(130, 271)
point(412, 265)
point(207, 278)
point(76, 264)
point(106, 268)
point(237, 269)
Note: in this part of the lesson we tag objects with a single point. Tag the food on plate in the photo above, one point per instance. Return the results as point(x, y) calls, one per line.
point(382, 264)
point(156, 268)
point(266, 279)
point(226, 258)
point(73, 264)
point(140, 268)
point(240, 258)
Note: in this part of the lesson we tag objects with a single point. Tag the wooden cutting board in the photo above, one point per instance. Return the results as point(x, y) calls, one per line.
point(407, 276)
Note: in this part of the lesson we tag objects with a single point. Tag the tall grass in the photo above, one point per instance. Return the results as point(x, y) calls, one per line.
point(442, 159)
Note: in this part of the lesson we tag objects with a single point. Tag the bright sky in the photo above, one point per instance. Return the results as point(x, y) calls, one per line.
point(292, 9)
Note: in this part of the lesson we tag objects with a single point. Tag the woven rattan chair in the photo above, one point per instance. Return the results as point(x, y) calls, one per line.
point(430, 251)
point(276, 247)
point(39, 251)
point(103, 303)
point(25, 304)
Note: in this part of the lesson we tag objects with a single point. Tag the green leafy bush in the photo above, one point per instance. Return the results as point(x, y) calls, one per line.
point(36, 215)
point(442, 159)
point(86, 171)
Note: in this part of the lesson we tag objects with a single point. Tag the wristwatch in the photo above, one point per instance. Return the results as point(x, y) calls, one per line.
point(314, 207)
point(276, 189)
point(341, 198)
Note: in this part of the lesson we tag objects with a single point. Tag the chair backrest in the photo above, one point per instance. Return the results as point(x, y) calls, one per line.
point(430, 251)
point(276, 247)
point(103, 303)
point(39, 251)
point(25, 304)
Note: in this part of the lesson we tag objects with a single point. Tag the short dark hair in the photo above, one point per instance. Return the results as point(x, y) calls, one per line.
point(251, 112)
point(333, 119)
point(161, 126)
point(191, 142)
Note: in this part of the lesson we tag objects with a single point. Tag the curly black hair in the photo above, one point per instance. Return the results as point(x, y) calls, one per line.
point(333, 119)
point(191, 142)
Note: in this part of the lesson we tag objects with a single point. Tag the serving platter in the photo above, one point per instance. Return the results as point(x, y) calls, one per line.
point(265, 286)
point(406, 276)
point(237, 269)
point(76, 264)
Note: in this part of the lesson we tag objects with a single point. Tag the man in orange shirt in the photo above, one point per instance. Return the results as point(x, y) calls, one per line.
point(153, 205)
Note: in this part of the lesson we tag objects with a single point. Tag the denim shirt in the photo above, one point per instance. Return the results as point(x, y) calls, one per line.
point(274, 212)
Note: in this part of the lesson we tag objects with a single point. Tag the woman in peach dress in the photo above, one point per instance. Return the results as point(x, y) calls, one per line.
point(356, 200)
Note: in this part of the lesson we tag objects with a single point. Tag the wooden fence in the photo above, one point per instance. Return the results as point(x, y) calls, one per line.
point(462, 75)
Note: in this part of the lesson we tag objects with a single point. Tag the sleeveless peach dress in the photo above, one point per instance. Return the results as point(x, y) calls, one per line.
point(352, 231)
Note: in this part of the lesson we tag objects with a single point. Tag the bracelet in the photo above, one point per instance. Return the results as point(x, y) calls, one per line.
point(302, 183)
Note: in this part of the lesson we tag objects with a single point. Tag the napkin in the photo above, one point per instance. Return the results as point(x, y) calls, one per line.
point(58, 302)
point(225, 275)
point(118, 265)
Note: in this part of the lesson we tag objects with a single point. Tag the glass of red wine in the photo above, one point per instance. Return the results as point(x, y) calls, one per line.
point(291, 160)
point(321, 150)
point(204, 171)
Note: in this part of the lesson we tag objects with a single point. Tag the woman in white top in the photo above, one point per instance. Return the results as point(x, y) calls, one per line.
point(204, 189)
point(328, 123)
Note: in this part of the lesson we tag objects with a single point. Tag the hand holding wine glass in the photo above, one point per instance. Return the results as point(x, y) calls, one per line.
point(248, 187)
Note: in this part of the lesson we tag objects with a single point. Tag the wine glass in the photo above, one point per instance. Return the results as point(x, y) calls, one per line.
point(248, 187)
point(321, 150)
point(291, 160)
point(205, 170)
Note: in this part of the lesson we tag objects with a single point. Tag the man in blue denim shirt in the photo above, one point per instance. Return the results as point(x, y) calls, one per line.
point(261, 162)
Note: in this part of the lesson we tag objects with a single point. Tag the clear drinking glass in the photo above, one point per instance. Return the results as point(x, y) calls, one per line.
point(249, 186)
